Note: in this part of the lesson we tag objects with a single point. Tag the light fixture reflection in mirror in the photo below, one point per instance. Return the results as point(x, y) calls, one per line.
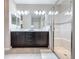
point(26, 12)
point(19, 12)
point(23, 12)
point(68, 13)
point(50, 13)
point(39, 12)
point(35, 18)
point(36, 12)
point(56, 12)
point(43, 12)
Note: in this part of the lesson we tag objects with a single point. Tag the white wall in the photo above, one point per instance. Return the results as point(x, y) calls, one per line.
point(12, 6)
point(9, 7)
point(6, 26)
point(32, 7)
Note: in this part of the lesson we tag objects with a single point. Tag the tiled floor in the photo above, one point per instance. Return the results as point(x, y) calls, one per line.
point(63, 53)
point(62, 48)
point(30, 53)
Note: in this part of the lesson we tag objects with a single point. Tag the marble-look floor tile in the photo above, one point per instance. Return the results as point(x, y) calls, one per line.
point(48, 54)
point(23, 56)
point(30, 53)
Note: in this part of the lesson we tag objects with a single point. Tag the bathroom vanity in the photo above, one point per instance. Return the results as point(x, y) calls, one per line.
point(29, 30)
point(29, 39)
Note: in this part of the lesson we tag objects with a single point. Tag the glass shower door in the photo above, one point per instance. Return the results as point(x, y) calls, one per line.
point(62, 40)
point(62, 29)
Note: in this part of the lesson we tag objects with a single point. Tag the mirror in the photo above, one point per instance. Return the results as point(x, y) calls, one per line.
point(31, 20)
point(30, 16)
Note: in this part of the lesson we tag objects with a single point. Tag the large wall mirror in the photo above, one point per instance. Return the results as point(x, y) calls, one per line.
point(30, 20)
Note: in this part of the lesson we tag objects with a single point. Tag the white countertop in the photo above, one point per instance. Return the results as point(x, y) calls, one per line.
point(28, 30)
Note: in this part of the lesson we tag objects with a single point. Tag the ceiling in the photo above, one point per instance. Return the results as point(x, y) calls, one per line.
point(36, 1)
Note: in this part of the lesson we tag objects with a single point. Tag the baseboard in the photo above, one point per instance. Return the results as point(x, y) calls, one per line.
point(7, 49)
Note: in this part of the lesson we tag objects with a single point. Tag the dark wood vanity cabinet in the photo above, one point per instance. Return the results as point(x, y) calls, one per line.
point(29, 39)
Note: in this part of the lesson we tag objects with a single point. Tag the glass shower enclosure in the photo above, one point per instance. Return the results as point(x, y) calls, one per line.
point(62, 28)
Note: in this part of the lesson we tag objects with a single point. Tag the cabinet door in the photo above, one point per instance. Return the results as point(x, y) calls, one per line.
point(20, 39)
point(28, 39)
point(41, 39)
point(37, 39)
point(17, 39)
point(13, 39)
point(44, 38)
